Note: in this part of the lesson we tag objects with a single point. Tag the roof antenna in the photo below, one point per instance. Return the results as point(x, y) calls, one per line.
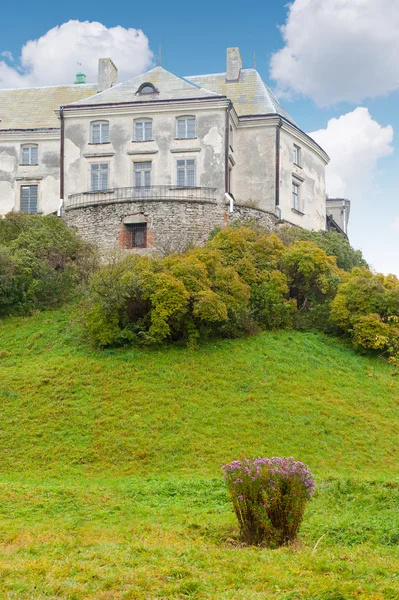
point(160, 56)
point(254, 60)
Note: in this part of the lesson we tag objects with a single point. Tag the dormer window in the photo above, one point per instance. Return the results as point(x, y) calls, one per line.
point(147, 88)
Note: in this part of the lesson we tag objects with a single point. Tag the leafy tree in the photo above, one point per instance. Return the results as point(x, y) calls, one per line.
point(332, 242)
point(312, 275)
point(42, 262)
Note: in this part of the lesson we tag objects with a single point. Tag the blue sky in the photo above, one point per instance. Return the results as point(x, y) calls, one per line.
point(334, 56)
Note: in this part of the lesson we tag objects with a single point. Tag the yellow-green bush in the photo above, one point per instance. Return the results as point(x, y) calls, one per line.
point(241, 281)
point(366, 307)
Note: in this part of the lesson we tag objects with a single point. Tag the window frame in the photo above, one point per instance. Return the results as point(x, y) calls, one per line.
point(101, 136)
point(30, 162)
point(297, 156)
point(185, 166)
point(142, 121)
point(131, 229)
point(142, 169)
point(143, 86)
point(296, 200)
point(186, 118)
point(29, 185)
point(98, 165)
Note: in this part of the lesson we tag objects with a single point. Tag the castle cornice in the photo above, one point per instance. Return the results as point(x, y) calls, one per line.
point(17, 135)
point(150, 107)
point(273, 120)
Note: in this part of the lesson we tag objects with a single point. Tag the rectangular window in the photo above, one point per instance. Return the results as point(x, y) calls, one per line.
point(100, 133)
point(295, 196)
point(99, 177)
point(143, 131)
point(142, 174)
point(29, 155)
point(186, 128)
point(29, 199)
point(186, 173)
point(297, 156)
point(136, 235)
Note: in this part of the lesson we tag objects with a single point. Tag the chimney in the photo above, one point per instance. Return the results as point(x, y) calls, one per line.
point(233, 64)
point(107, 74)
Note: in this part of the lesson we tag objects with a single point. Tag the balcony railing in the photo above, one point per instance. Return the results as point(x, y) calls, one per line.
point(153, 193)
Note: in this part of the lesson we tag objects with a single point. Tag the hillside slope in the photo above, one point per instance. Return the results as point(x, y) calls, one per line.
point(110, 483)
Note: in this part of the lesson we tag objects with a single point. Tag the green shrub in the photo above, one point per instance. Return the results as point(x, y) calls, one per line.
point(366, 308)
point(241, 281)
point(371, 333)
point(332, 242)
point(269, 497)
point(42, 262)
point(179, 297)
point(312, 275)
point(269, 303)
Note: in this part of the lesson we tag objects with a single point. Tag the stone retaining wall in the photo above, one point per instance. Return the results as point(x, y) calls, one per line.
point(171, 225)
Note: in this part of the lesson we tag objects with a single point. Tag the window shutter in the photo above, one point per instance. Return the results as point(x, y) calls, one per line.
point(105, 133)
point(25, 199)
point(139, 131)
point(180, 173)
point(104, 177)
point(181, 128)
point(34, 155)
point(191, 128)
point(190, 173)
point(94, 178)
point(95, 133)
point(33, 199)
point(29, 199)
point(25, 155)
point(147, 178)
point(148, 130)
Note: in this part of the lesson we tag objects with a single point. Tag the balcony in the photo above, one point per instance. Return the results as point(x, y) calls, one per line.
point(154, 193)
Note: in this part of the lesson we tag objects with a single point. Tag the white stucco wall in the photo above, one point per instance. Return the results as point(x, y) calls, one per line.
point(310, 177)
point(45, 174)
point(253, 174)
point(208, 148)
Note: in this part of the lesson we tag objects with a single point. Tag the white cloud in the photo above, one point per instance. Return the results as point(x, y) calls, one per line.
point(339, 50)
point(395, 225)
point(7, 54)
point(53, 58)
point(355, 143)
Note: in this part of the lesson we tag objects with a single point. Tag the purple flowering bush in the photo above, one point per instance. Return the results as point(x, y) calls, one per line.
point(269, 497)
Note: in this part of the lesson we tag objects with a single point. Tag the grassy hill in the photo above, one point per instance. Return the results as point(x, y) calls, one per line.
point(110, 479)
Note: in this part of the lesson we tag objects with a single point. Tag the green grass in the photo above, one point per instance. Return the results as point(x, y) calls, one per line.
point(110, 479)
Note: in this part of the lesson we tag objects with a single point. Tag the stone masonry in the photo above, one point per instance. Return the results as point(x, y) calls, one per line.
point(171, 225)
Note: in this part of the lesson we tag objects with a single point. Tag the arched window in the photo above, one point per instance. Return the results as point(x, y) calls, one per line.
point(185, 128)
point(147, 88)
point(99, 132)
point(29, 154)
point(142, 130)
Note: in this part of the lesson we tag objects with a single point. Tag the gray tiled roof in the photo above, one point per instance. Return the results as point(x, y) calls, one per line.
point(33, 108)
point(250, 95)
point(169, 86)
